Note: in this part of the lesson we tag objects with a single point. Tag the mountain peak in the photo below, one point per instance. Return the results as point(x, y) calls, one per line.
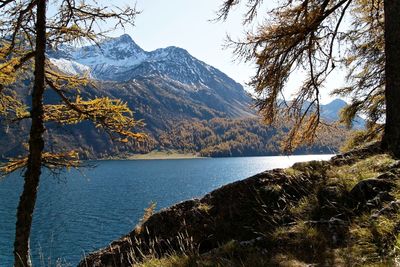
point(336, 104)
point(176, 49)
point(123, 43)
point(125, 38)
point(117, 51)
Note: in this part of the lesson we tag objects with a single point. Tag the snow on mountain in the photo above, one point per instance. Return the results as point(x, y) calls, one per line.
point(121, 52)
point(71, 67)
point(171, 70)
point(121, 59)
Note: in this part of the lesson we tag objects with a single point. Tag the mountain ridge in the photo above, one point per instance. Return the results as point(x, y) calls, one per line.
point(185, 103)
point(122, 54)
point(121, 60)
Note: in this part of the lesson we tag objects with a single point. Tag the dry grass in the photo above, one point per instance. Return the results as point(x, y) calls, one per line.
point(204, 207)
point(349, 175)
point(146, 215)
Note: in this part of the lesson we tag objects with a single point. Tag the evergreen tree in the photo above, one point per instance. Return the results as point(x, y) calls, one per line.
point(391, 138)
point(310, 35)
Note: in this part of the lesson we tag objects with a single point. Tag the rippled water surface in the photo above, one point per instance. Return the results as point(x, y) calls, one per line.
point(81, 212)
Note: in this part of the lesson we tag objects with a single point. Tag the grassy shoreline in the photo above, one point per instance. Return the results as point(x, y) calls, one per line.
point(157, 155)
point(173, 154)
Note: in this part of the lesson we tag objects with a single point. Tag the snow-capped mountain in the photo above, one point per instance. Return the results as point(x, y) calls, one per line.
point(111, 55)
point(71, 67)
point(121, 59)
point(165, 71)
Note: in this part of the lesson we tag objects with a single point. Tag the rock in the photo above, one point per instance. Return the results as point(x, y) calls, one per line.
point(395, 165)
point(379, 200)
point(390, 176)
point(252, 242)
point(357, 154)
point(367, 190)
point(392, 208)
point(329, 195)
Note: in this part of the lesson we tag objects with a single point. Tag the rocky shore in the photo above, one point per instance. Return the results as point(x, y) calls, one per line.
point(342, 212)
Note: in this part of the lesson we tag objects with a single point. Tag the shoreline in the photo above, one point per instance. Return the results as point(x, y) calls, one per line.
point(158, 155)
point(163, 155)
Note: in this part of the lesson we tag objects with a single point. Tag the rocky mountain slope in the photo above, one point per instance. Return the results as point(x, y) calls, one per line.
point(120, 62)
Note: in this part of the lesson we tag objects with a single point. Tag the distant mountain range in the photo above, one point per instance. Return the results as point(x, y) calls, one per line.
point(169, 89)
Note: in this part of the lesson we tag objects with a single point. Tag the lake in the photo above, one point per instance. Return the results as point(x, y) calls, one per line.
point(85, 210)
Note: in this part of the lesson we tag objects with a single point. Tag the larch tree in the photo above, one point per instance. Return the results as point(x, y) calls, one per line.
point(315, 36)
point(391, 139)
point(27, 30)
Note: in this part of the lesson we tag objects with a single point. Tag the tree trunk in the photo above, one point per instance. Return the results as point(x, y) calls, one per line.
point(391, 140)
point(36, 144)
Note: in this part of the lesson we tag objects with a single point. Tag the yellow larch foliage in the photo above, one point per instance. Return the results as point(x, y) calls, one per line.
point(50, 160)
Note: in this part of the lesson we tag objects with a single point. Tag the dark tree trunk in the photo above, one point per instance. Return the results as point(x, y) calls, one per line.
point(391, 140)
point(36, 144)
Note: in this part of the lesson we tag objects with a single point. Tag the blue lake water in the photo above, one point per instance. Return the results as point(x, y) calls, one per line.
point(80, 212)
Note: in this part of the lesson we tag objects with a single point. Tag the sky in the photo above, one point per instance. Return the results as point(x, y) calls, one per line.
point(189, 24)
